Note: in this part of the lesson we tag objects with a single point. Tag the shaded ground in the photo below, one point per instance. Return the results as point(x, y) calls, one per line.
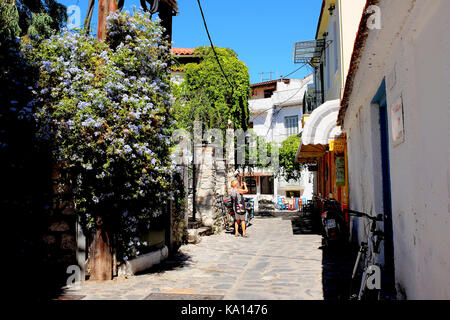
point(337, 263)
point(281, 259)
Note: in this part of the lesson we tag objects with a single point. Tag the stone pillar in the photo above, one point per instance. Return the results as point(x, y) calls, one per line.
point(213, 179)
point(204, 196)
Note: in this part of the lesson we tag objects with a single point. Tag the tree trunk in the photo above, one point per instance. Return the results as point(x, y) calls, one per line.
point(104, 8)
point(101, 254)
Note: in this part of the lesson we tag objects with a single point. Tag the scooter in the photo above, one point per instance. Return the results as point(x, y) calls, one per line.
point(334, 224)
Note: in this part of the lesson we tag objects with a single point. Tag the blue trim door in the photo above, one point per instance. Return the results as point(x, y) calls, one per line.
point(389, 274)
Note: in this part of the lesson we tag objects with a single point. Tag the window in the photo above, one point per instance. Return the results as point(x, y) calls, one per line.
point(293, 194)
point(267, 185)
point(291, 124)
point(251, 185)
point(268, 93)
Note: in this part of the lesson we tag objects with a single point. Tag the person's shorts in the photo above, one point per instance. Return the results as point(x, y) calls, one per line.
point(240, 217)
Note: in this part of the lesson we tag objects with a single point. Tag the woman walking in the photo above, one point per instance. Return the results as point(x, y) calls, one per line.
point(239, 206)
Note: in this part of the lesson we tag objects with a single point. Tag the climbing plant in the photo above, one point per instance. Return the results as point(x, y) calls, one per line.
point(205, 95)
point(104, 109)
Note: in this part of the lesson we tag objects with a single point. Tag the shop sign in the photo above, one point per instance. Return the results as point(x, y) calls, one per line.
point(338, 145)
point(340, 171)
point(397, 120)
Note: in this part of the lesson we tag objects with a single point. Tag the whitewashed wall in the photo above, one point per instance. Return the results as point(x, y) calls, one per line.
point(268, 114)
point(268, 117)
point(412, 47)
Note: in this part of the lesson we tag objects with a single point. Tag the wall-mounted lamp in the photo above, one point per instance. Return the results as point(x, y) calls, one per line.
point(331, 9)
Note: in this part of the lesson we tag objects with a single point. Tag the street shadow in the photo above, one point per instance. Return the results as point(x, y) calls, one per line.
point(337, 267)
point(337, 261)
point(175, 261)
point(304, 224)
point(265, 214)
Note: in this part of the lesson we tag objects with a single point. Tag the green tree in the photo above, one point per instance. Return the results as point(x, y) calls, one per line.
point(289, 169)
point(206, 96)
point(9, 20)
point(40, 17)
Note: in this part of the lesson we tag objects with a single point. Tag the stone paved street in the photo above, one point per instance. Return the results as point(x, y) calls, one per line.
point(272, 263)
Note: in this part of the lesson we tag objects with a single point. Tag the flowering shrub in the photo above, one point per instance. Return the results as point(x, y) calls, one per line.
point(104, 107)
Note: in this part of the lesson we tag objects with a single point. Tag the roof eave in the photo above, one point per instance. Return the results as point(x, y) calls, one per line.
point(360, 42)
point(320, 17)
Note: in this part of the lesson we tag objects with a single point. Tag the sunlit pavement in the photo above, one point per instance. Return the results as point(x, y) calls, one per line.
point(272, 263)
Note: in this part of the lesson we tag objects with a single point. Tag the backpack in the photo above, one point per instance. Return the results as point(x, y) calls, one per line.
point(238, 202)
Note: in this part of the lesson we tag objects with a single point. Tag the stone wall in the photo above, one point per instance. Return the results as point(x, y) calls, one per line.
point(214, 173)
point(59, 238)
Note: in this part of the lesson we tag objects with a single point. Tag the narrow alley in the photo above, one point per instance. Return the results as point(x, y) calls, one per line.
point(281, 260)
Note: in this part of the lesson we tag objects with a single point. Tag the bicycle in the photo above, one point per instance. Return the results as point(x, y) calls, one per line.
point(225, 215)
point(366, 261)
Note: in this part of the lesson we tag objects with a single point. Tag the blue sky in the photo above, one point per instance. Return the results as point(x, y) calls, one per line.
point(262, 32)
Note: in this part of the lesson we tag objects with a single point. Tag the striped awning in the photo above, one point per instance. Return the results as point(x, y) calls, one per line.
point(320, 127)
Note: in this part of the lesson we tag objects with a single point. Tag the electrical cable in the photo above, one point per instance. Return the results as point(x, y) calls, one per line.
point(265, 110)
point(298, 69)
point(276, 113)
point(213, 48)
point(291, 97)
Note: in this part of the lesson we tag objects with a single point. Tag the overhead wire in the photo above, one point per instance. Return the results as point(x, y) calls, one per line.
point(213, 48)
point(284, 77)
point(296, 70)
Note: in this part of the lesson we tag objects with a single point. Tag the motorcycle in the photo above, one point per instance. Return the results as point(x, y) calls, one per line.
point(334, 224)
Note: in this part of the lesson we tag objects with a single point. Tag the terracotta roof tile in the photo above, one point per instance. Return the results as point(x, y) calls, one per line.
point(183, 51)
point(264, 83)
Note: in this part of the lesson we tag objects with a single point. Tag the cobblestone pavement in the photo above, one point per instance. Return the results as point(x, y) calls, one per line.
point(272, 263)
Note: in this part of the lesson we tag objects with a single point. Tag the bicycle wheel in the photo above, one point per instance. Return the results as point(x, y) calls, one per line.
point(358, 271)
point(367, 293)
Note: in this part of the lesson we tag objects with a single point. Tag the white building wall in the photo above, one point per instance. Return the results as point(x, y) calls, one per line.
point(342, 28)
point(268, 117)
point(411, 51)
point(268, 114)
point(349, 13)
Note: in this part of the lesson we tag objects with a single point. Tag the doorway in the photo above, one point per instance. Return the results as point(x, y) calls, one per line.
point(389, 273)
